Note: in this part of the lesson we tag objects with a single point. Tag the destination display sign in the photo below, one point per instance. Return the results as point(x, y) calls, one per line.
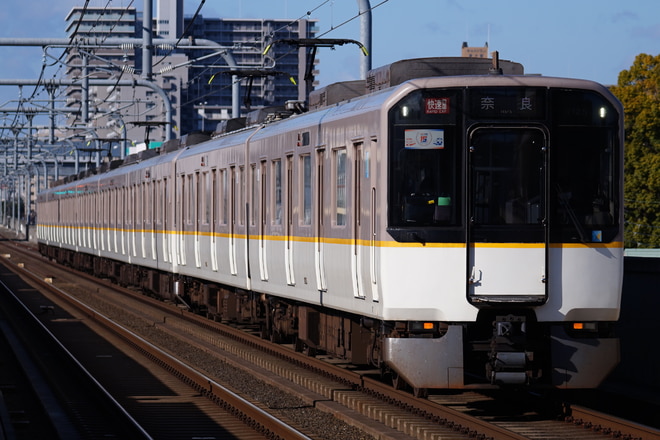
point(508, 103)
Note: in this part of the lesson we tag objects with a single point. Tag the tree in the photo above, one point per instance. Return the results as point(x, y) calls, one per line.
point(639, 91)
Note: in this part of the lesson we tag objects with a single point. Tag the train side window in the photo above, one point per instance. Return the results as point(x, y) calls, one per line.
point(141, 208)
point(277, 192)
point(83, 209)
point(139, 205)
point(189, 195)
point(212, 197)
point(199, 199)
point(106, 199)
point(120, 208)
point(86, 209)
point(146, 203)
point(224, 193)
point(136, 205)
point(129, 207)
point(102, 217)
point(182, 203)
point(157, 189)
point(112, 216)
point(154, 186)
point(306, 189)
point(254, 196)
point(241, 195)
point(340, 186)
point(207, 198)
point(166, 199)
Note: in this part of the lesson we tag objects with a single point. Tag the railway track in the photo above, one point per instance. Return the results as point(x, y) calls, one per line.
point(356, 397)
point(48, 392)
point(162, 396)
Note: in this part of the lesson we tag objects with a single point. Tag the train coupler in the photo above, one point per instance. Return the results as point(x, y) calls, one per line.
point(508, 368)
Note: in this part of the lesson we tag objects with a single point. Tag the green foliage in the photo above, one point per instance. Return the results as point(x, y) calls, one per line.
point(639, 91)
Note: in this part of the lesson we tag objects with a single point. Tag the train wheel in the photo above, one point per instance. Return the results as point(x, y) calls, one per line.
point(422, 393)
point(301, 347)
point(397, 382)
point(298, 345)
point(276, 337)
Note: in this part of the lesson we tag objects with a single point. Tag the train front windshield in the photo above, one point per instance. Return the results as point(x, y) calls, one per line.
point(510, 164)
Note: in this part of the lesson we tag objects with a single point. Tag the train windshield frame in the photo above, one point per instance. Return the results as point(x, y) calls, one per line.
point(575, 160)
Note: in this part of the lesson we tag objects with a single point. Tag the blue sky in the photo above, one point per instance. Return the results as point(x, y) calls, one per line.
point(591, 39)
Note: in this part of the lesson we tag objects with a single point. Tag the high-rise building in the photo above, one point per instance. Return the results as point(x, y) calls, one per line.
point(103, 113)
point(195, 80)
point(97, 62)
point(169, 18)
point(209, 88)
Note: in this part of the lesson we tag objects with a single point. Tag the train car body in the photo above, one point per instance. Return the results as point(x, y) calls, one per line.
point(460, 231)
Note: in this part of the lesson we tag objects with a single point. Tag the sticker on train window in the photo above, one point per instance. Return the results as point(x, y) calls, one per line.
point(428, 139)
point(436, 106)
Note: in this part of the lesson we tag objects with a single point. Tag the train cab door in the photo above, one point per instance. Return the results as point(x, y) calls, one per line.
point(507, 236)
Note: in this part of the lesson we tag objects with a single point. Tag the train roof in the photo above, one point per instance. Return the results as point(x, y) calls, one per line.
point(344, 99)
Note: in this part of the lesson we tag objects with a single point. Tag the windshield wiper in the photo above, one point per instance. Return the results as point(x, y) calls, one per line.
point(563, 200)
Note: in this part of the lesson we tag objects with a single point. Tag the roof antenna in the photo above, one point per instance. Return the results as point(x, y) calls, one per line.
point(496, 69)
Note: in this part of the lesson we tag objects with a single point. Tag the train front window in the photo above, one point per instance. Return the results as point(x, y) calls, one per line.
point(507, 176)
point(425, 162)
point(522, 164)
point(585, 205)
point(425, 179)
point(584, 163)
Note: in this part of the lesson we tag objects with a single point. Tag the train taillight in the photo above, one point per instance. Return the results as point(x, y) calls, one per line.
point(585, 326)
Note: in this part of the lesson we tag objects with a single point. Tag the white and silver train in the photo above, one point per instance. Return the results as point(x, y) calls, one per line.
point(455, 231)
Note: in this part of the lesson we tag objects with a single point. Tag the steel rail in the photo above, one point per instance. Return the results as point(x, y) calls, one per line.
point(230, 401)
point(617, 427)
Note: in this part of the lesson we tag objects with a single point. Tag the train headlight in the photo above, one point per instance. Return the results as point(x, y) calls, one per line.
point(602, 112)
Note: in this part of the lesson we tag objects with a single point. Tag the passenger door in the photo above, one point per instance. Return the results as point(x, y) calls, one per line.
point(321, 231)
point(288, 221)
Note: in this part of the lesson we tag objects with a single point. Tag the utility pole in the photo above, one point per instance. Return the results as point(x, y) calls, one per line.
point(147, 43)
